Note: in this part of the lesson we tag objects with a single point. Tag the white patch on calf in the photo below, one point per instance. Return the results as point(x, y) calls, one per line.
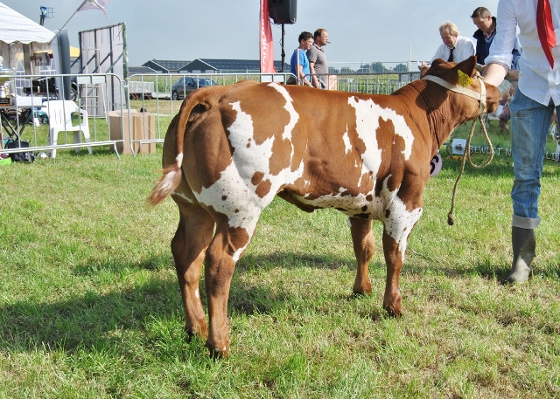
point(399, 222)
point(178, 194)
point(179, 159)
point(346, 139)
point(367, 123)
point(351, 205)
point(287, 134)
point(242, 205)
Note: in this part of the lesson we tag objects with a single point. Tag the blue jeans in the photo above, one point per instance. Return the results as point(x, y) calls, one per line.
point(530, 122)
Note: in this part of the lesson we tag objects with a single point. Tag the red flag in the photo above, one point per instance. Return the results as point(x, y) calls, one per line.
point(265, 42)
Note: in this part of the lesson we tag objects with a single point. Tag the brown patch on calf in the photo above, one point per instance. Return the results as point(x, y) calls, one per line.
point(393, 146)
point(257, 178)
point(263, 188)
point(282, 152)
point(263, 129)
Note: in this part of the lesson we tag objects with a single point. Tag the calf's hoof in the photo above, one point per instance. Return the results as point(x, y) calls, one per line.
point(199, 331)
point(393, 305)
point(393, 312)
point(362, 289)
point(216, 353)
point(520, 275)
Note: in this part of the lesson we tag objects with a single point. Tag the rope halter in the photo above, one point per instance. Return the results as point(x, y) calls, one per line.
point(481, 97)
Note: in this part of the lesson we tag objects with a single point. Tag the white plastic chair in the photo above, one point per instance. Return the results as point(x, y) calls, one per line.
point(60, 120)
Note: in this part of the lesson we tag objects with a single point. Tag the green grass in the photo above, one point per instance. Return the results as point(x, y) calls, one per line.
point(90, 307)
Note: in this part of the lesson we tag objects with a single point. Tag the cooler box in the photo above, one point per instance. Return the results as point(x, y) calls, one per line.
point(27, 102)
point(141, 127)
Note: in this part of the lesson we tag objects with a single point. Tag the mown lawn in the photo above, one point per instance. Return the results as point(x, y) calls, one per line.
point(90, 307)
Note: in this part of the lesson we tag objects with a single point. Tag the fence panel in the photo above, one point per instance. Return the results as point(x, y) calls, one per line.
point(165, 94)
point(25, 116)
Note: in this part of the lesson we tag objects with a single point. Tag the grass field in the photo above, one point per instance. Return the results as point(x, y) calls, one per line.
point(90, 307)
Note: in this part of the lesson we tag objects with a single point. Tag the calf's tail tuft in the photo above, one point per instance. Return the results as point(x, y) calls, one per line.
point(172, 175)
point(167, 183)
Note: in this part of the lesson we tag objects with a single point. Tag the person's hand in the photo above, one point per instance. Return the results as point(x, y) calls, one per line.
point(422, 65)
point(513, 74)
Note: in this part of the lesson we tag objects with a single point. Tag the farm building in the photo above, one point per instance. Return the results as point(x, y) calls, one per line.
point(210, 65)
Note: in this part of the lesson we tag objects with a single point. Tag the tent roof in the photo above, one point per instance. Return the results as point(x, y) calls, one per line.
point(15, 27)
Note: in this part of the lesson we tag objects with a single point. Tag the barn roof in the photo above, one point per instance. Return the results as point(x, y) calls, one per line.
point(165, 66)
point(224, 65)
point(140, 70)
point(206, 65)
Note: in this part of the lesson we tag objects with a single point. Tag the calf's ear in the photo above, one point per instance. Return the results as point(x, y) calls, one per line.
point(468, 66)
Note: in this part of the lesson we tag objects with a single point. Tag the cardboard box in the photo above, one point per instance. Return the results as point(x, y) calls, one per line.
point(140, 124)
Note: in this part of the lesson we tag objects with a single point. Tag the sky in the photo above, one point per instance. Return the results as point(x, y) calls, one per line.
point(360, 31)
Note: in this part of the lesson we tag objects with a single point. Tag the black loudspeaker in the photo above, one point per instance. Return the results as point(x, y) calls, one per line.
point(283, 11)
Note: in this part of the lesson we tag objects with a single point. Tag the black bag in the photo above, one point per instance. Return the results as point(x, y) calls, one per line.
point(27, 157)
point(291, 81)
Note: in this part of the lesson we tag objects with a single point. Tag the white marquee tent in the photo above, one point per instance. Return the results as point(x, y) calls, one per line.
point(19, 34)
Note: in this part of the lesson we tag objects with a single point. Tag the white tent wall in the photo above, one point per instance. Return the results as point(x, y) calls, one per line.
point(20, 35)
point(17, 56)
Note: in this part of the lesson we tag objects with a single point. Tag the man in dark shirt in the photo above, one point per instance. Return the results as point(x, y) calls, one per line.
point(485, 34)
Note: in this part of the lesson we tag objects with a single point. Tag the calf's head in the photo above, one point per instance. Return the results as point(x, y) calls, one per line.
point(463, 78)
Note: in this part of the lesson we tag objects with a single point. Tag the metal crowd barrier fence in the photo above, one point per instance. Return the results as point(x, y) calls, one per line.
point(162, 95)
point(28, 114)
point(132, 116)
point(368, 83)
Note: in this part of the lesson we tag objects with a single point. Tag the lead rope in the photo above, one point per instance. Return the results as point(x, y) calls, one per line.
point(467, 154)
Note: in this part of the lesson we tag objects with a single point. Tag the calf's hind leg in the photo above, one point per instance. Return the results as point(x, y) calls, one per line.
point(364, 248)
point(189, 247)
point(222, 255)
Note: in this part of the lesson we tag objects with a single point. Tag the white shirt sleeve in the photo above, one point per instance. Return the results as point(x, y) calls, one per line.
point(502, 45)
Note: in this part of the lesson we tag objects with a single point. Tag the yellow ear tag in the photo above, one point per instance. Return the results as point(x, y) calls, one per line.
point(464, 79)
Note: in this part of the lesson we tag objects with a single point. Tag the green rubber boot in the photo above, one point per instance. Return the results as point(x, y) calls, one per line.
point(523, 242)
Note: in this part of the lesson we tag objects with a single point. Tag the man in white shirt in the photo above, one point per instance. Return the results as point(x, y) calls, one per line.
point(534, 102)
point(454, 48)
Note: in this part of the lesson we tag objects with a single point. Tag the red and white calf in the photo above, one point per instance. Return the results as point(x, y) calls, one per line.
point(232, 149)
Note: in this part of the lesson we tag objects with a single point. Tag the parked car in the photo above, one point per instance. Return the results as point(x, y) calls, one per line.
point(182, 87)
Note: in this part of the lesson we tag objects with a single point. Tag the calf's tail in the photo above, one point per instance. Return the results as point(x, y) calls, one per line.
point(171, 177)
